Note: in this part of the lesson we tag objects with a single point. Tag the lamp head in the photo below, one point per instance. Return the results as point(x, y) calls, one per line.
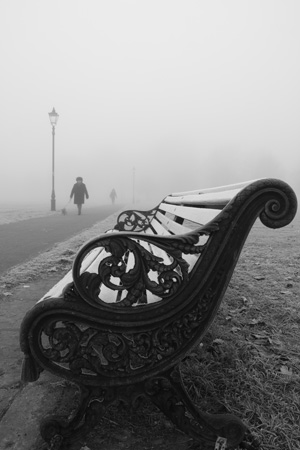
point(53, 116)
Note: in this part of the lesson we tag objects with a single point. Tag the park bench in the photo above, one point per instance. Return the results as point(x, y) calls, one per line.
point(139, 298)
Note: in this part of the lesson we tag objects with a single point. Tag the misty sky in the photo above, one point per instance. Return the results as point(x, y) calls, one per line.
point(190, 93)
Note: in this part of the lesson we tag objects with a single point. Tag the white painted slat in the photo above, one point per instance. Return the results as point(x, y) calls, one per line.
point(89, 263)
point(148, 231)
point(199, 215)
point(170, 225)
point(228, 187)
point(197, 200)
point(94, 264)
point(159, 228)
point(57, 289)
point(90, 258)
point(107, 295)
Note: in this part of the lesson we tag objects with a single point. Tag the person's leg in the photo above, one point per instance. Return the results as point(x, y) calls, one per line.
point(79, 208)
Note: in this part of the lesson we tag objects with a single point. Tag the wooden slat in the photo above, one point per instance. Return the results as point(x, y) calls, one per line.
point(148, 231)
point(171, 226)
point(90, 258)
point(107, 295)
point(57, 289)
point(215, 200)
point(218, 189)
point(92, 265)
point(213, 204)
point(159, 228)
point(198, 215)
point(213, 197)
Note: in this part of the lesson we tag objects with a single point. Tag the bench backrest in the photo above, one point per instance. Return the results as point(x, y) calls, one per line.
point(181, 212)
point(173, 247)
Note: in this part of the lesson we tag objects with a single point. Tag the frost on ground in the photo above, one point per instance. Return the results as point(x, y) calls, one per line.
point(10, 215)
point(57, 259)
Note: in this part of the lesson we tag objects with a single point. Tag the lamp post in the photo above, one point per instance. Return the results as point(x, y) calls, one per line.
point(53, 116)
point(133, 185)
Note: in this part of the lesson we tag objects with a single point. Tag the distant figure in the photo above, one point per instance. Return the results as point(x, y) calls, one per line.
point(79, 191)
point(113, 196)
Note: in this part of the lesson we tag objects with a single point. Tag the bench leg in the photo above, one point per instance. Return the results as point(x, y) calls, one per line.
point(92, 406)
point(217, 431)
point(167, 392)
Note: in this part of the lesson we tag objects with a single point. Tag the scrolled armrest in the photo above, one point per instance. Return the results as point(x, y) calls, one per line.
point(281, 208)
point(273, 200)
point(133, 220)
point(128, 267)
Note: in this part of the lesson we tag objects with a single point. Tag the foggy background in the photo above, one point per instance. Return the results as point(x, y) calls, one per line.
point(187, 94)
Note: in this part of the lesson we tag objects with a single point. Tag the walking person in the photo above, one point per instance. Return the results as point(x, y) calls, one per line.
point(113, 196)
point(79, 190)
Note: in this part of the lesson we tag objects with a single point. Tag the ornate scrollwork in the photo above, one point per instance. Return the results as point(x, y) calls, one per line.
point(134, 264)
point(81, 347)
point(134, 220)
point(282, 206)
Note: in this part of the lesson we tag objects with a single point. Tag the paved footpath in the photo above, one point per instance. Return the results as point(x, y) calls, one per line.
point(21, 241)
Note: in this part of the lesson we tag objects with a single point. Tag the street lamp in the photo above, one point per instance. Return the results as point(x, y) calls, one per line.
point(53, 116)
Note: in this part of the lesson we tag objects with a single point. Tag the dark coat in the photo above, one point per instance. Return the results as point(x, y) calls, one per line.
point(79, 190)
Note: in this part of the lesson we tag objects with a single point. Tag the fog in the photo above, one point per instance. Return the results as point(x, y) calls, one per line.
point(153, 96)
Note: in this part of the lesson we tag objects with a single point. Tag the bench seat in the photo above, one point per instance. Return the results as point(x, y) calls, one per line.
point(141, 296)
